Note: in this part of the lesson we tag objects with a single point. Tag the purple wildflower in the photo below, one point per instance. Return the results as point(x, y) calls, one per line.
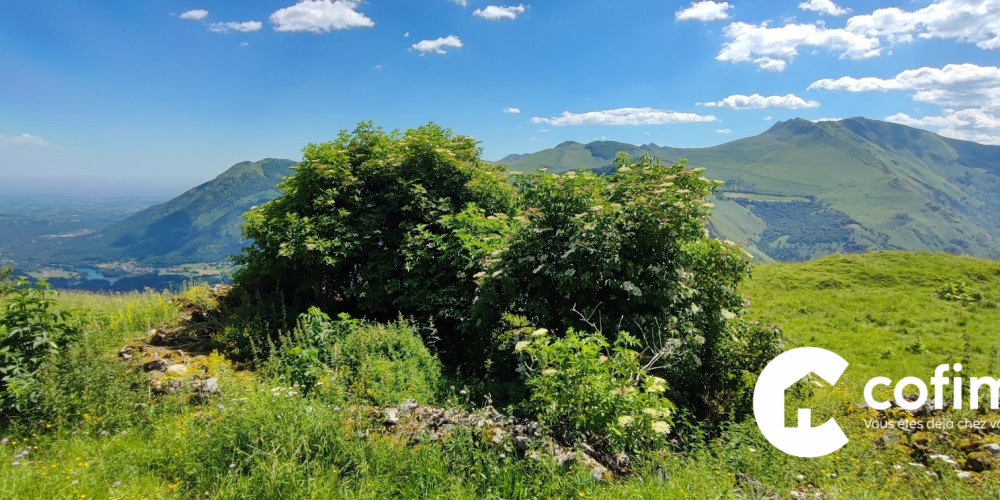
point(116, 484)
point(15, 463)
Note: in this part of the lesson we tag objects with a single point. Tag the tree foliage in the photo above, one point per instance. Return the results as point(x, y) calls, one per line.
point(379, 224)
point(628, 252)
point(415, 224)
point(32, 331)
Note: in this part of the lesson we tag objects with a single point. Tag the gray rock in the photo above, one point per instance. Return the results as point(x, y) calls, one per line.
point(156, 365)
point(621, 461)
point(598, 473)
point(177, 369)
point(406, 408)
point(175, 384)
point(565, 459)
point(522, 442)
point(209, 386)
point(963, 475)
point(498, 435)
point(993, 448)
point(390, 416)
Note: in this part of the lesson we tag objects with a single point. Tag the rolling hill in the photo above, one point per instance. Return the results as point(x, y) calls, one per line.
point(803, 189)
point(201, 225)
point(799, 190)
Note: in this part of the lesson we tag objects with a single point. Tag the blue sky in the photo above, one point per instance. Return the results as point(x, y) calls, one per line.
point(160, 95)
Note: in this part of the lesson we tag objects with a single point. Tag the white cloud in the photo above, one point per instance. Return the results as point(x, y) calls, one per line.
point(863, 36)
point(194, 15)
point(817, 120)
point(320, 16)
point(966, 124)
point(498, 12)
point(723, 131)
point(438, 45)
point(243, 27)
point(772, 48)
point(512, 110)
point(824, 7)
point(768, 118)
point(461, 3)
point(377, 67)
point(22, 140)
point(406, 35)
point(953, 85)
point(244, 44)
point(968, 94)
point(972, 21)
point(624, 116)
point(704, 11)
point(757, 101)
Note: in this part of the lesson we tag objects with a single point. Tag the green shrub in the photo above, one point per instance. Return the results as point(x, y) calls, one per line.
point(381, 364)
point(378, 224)
point(958, 291)
point(630, 252)
point(31, 332)
point(585, 389)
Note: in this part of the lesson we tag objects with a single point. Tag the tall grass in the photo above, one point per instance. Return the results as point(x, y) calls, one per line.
point(103, 435)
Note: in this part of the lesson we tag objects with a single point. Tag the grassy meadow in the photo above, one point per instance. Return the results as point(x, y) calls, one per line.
point(109, 436)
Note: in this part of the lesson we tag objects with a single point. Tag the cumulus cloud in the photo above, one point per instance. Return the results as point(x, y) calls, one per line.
point(512, 110)
point(966, 124)
point(953, 85)
point(972, 21)
point(757, 101)
point(498, 12)
point(863, 36)
point(624, 116)
point(968, 94)
point(772, 48)
point(704, 11)
point(438, 45)
point(22, 140)
point(320, 16)
point(242, 27)
point(823, 7)
point(194, 15)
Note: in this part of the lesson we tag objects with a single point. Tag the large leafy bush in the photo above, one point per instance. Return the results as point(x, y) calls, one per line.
point(629, 252)
point(32, 331)
point(377, 224)
point(386, 224)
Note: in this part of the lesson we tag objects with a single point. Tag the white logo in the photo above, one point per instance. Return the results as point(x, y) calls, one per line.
point(769, 402)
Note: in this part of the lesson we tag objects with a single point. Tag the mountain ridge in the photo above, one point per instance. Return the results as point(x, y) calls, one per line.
point(797, 191)
point(891, 186)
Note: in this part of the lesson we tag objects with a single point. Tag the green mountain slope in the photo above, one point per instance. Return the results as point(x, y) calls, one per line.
point(803, 189)
point(201, 225)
